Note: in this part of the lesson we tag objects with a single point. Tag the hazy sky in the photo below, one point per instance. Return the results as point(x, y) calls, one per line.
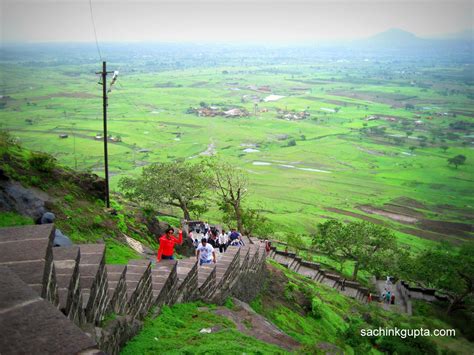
point(231, 20)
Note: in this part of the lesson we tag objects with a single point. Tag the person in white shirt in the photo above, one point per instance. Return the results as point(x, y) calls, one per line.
point(205, 253)
point(223, 240)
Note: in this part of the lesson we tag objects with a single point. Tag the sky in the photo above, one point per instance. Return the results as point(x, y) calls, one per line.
point(227, 20)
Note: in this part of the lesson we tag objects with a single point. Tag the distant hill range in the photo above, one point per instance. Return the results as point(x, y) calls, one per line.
point(394, 36)
point(403, 42)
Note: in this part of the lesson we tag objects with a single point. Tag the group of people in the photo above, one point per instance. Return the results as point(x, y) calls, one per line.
point(217, 239)
point(211, 239)
point(388, 296)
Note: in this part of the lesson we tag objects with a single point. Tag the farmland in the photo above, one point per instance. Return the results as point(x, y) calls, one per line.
point(373, 144)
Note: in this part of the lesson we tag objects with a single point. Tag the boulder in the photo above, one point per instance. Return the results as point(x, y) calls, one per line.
point(60, 240)
point(15, 197)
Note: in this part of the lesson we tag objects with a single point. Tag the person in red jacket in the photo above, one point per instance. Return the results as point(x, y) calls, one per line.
point(167, 243)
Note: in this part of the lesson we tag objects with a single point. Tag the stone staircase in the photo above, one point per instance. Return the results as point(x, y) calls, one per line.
point(58, 298)
point(315, 272)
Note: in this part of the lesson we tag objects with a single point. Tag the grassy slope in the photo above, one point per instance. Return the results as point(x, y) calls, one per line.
point(177, 331)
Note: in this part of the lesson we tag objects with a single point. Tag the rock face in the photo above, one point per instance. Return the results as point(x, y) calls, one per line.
point(14, 197)
point(76, 280)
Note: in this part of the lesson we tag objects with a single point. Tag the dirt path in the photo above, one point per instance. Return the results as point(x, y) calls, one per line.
point(253, 324)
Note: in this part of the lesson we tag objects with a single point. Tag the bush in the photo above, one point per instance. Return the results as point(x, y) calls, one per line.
point(289, 289)
point(352, 335)
point(399, 346)
point(42, 162)
point(69, 198)
point(291, 143)
point(316, 308)
point(229, 303)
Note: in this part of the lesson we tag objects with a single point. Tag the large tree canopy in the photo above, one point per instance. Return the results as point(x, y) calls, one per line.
point(449, 271)
point(372, 248)
point(179, 184)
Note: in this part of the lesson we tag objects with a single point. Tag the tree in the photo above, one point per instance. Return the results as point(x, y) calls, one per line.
point(371, 247)
point(294, 241)
point(449, 271)
point(231, 185)
point(457, 160)
point(180, 184)
point(412, 148)
point(444, 148)
point(255, 223)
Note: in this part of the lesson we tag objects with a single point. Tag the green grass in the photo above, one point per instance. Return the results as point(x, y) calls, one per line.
point(177, 331)
point(12, 219)
point(118, 253)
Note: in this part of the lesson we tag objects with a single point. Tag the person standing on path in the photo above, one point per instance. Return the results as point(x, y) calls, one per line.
point(205, 253)
point(223, 240)
point(268, 246)
point(167, 243)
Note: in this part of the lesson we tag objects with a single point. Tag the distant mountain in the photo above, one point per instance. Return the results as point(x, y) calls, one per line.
point(394, 36)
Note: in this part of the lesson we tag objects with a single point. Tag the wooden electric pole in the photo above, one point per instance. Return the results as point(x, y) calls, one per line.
point(104, 73)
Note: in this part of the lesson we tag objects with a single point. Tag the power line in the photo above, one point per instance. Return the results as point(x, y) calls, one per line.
point(131, 102)
point(95, 32)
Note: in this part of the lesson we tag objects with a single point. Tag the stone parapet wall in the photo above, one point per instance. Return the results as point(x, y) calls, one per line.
point(315, 272)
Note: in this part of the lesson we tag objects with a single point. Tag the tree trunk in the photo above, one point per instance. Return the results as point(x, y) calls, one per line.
point(356, 270)
point(186, 214)
point(238, 217)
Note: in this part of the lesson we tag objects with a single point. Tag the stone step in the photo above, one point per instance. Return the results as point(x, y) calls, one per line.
point(117, 288)
point(66, 263)
point(27, 251)
point(93, 281)
point(139, 291)
point(187, 280)
point(164, 282)
point(31, 325)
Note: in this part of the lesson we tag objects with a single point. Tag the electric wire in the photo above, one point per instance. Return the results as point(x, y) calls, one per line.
point(95, 31)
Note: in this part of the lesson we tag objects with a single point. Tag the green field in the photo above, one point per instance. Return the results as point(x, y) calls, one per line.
point(340, 162)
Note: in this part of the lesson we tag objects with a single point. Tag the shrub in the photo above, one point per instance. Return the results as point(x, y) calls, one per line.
point(42, 162)
point(97, 220)
point(69, 198)
point(229, 303)
point(316, 308)
point(396, 345)
point(289, 288)
point(352, 335)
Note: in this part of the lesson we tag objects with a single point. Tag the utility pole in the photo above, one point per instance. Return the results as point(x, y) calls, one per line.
point(104, 73)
